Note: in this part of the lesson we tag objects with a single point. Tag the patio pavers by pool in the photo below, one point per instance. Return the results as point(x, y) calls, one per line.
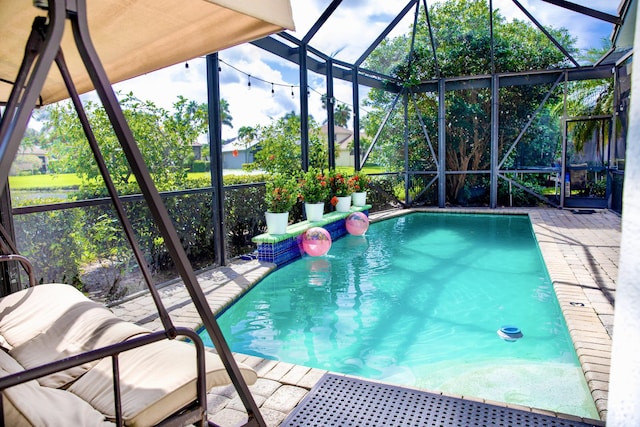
point(581, 253)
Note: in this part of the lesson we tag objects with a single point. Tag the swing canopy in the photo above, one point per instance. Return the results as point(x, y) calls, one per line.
point(134, 38)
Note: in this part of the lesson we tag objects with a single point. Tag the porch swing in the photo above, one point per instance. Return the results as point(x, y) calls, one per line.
point(117, 348)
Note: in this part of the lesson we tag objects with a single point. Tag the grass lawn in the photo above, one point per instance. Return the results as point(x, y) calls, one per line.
point(48, 181)
point(70, 180)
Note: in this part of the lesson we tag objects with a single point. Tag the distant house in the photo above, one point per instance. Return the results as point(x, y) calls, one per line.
point(235, 153)
point(197, 145)
point(343, 145)
point(30, 159)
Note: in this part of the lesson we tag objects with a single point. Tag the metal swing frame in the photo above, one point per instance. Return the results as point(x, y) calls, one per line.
point(43, 48)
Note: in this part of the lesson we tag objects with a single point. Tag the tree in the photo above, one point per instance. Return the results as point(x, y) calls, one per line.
point(341, 114)
point(462, 34)
point(163, 138)
point(246, 135)
point(189, 119)
point(589, 98)
point(280, 150)
point(225, 115)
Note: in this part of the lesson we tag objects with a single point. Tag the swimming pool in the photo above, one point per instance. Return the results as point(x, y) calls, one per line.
point(418, 301)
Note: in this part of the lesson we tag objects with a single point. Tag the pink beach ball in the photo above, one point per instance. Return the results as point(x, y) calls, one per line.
point(357, 223)
point(316, 241)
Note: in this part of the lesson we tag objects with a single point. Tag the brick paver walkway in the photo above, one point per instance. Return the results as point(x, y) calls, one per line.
point(581, 252)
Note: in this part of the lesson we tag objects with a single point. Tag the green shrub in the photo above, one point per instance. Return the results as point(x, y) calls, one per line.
point(50, 240)
point(519, 197)
point(200, 166)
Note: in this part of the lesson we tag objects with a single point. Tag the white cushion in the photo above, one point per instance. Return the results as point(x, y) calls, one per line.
point(53, 321)
point(30, 404)
point(156, 381)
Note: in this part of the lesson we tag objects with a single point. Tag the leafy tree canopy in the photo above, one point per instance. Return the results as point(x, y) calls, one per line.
point(280, 150)
point(462, 36)
point(164, 138)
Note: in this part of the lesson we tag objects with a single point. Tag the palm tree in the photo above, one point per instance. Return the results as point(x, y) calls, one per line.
point(341, 114)
point(225, 115)
point(589, 98)
point(247, 134)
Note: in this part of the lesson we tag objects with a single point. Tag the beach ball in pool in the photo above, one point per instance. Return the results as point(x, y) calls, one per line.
point(357, 223)
point(316, 241)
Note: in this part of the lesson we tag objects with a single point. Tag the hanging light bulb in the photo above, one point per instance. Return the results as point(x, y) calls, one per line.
point(292, 95)
point(249, 81)
point(186, 65)
point(272, 91)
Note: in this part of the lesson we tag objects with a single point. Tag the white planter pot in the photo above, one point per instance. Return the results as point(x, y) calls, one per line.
point(344, 204)
point(359, 198)
point(314, 211)
point(277, 222)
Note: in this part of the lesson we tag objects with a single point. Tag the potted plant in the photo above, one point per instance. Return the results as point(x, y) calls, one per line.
point(340, 189)
point(281, 195)
point(358, 184)
point(314, 190)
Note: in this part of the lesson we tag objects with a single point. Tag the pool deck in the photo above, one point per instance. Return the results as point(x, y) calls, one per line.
point(581, 252)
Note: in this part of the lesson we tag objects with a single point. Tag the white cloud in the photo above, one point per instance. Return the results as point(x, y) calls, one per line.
point(350, 31)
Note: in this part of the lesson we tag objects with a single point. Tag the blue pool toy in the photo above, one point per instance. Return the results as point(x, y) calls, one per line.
point(510, 333)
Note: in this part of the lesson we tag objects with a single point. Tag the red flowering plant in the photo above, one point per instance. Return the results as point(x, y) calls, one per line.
point(339, 184)
point(358, 182)
point(313, 186)
point(281, 193)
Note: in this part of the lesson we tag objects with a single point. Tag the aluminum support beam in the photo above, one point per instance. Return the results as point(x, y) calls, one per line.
point(432, 39)
point(442, 148)
point(367, 77)
point(330, 105)
point(215, 156)
point(547, 33)
point(385, 32)
point(304, 109)
point(356, 119)
point(405, 103)
point(564, 144)
point(495, 123)
point(530, 121)
point(321, 21)
point(616, 20)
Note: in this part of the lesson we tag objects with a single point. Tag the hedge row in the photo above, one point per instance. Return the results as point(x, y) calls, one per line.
point(87, 246)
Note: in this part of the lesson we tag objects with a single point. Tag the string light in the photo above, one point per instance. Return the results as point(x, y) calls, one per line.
point(186, 65)
point(274, 84)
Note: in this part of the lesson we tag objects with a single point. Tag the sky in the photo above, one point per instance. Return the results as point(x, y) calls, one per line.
point(351, 29)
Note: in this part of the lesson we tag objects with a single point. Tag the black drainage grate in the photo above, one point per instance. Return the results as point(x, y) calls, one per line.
point(343, 402)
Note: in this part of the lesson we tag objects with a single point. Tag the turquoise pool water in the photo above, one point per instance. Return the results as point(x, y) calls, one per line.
point(418, 301)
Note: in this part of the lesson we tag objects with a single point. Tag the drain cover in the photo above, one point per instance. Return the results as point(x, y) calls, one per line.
point(343, 401)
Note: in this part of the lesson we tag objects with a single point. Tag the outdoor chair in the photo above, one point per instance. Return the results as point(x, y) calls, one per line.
point(67, 360)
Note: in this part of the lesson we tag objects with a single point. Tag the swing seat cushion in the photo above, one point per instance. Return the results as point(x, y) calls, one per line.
point(50, 322)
